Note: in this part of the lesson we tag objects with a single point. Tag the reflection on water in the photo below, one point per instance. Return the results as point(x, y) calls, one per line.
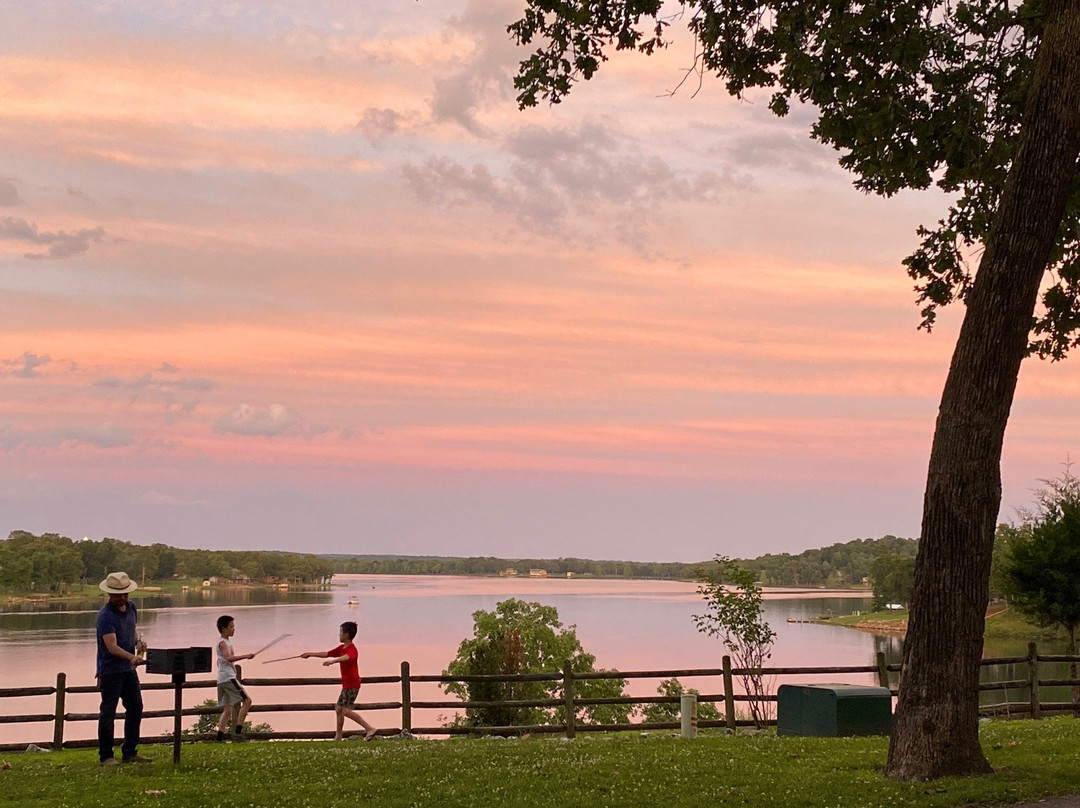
point(627, 625)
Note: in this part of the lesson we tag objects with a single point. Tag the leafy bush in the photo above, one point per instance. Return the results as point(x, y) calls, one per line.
point(522, 637)
point(208, 723)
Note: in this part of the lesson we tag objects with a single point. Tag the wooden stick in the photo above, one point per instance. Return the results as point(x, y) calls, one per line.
point(268, 661)
point(272, 642)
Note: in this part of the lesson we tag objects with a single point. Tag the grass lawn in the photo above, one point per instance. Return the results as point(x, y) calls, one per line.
point(1033, 759)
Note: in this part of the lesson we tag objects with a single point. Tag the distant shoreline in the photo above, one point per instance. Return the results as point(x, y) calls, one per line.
point(166, 588)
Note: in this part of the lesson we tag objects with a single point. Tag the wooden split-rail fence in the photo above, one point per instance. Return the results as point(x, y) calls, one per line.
point(1031, 684)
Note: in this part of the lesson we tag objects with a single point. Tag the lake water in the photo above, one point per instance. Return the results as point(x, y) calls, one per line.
point(628, 625)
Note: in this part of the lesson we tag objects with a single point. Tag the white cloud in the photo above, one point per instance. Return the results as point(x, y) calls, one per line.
point(276, 419)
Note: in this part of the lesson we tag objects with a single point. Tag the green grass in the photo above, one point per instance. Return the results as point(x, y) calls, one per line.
point(1032, 760)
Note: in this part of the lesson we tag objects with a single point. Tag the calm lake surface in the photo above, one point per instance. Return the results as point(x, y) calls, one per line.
point(628, 625)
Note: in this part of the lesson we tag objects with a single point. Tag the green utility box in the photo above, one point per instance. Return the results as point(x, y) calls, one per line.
point(833, 710)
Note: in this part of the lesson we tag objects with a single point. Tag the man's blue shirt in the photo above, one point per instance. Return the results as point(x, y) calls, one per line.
point(122, 624)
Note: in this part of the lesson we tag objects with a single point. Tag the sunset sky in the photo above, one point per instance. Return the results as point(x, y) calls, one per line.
point(299, 275)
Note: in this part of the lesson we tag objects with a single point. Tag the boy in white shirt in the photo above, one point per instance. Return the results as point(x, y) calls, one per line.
point(229, 692)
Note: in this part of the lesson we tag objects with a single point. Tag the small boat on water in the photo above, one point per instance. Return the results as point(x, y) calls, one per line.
point(353, 601)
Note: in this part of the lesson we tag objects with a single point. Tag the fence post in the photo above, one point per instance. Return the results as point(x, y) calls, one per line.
point(58, 725)
point(1033, 679)
point(688, 715)
point(406, 699)
point(568, 697)
point(729, 696)
point(882, 671)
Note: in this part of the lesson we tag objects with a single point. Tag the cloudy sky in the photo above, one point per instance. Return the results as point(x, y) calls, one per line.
point(297, 274)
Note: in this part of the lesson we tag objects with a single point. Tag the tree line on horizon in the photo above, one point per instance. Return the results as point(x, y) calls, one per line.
point(53, 563)
point(845, 564)
point(50, 562)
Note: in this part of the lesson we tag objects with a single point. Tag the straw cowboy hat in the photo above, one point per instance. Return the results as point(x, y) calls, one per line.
point(117, 583)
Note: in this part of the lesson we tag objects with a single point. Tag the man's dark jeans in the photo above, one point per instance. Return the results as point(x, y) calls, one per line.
point(119, 687)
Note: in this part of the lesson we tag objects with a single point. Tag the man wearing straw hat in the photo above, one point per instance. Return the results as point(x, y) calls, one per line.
point(119, 652)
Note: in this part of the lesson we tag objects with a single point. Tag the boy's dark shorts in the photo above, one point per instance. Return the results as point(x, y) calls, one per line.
point(347, 699)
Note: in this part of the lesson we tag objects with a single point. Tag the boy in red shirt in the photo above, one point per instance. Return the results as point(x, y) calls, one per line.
point(346, 655)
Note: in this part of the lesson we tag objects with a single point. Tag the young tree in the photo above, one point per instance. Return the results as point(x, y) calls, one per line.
point(1041, 571)
point(981, 98)
point(733, 613)
point(670, 711)
point(522, 637)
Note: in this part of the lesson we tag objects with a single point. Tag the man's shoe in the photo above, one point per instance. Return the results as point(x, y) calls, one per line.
point(138, 759)
point(108, 762)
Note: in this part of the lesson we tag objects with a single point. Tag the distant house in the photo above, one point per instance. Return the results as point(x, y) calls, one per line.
point(508, 573)
point(538, 573)
point(239, 577)
point(569, 574)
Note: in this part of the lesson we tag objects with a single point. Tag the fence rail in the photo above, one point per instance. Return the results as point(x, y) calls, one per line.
point(59, 717)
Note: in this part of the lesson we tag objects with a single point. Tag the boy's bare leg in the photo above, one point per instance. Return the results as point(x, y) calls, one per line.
point(369, 731)
point(244, 707)
point(339, 712)
point(226, 716)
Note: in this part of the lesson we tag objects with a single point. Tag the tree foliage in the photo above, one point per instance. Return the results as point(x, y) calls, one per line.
point(52, 563)
point(1041, 574)
point(894, 578)
point(521, 637)
point(46, 563)
point(844, 564)
point(734, 614)
point(839, 565)
point(490, 565)
point(1005, 538)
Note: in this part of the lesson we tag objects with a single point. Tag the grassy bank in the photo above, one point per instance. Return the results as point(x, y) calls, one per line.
point(1001, 624)
point(91, 591)
point(1032, 759)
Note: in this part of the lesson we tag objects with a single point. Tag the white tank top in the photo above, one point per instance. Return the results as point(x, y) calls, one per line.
point(225, 669)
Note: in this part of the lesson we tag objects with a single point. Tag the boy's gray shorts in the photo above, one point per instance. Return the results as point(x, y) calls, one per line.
point(230, 692)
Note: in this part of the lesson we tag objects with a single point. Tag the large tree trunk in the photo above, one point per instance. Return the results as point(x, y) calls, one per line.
point(935, 732)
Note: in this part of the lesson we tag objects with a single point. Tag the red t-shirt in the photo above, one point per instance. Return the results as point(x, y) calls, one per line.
point(350, 670)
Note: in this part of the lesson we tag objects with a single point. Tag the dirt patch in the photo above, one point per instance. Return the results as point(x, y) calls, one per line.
point(890, 627)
